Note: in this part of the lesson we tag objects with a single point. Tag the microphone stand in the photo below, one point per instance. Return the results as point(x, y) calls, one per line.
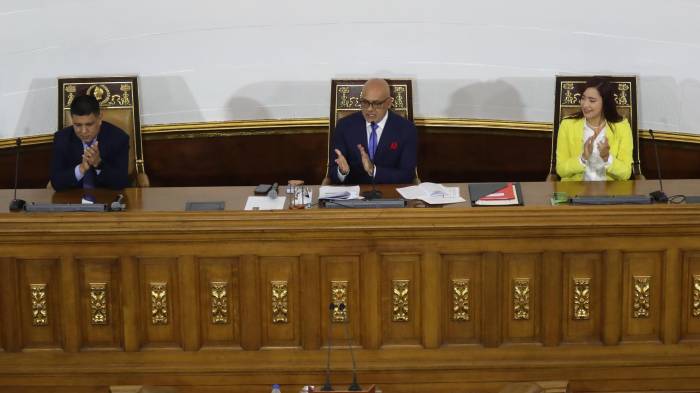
point(17, 204)
point(659, 196)
point(354, 386)
point(327, 387)
point(374, 193)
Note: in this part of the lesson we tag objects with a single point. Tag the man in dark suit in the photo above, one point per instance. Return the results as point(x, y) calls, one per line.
point(90, 153)
point(374, 142)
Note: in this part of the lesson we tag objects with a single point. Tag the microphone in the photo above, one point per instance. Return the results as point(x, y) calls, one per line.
point(354, 386)
point(327, 387)
point(272, 194)
point(118, 204)
point(17, 204)
point(658, 196)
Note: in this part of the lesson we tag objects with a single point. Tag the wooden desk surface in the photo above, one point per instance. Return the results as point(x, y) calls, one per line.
point(536, 194)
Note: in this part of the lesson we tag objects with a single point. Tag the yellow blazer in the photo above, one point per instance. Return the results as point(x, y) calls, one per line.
point(570, 147)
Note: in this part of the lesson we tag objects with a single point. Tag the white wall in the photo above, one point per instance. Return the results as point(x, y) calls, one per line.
point(209, 60)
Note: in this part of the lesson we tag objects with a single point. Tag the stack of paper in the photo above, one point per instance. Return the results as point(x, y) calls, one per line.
point(264, 203)
point(339, 192)
point(433, 193)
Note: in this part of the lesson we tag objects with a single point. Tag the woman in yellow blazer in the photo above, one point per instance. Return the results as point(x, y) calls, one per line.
point(595, 143)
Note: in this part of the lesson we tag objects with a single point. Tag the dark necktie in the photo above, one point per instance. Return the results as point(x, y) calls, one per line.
point(373, 140)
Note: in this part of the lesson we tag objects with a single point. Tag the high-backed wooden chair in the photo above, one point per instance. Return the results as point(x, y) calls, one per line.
point(345, 100)
point(568, 101)
point(119, 104)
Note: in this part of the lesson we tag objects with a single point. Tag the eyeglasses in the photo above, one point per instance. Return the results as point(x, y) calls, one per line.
point(364, 104)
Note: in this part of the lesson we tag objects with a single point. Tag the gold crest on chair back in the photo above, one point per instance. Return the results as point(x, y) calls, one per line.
point(345, 100)
point(568, 102)
point(119, 104)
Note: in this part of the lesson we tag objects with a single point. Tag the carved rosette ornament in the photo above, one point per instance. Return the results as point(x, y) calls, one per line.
point(280, 302)
point(40, 310)
point(98, 303)
point(641, 297)
point(219, 302)
point(521, 299)
point(460, 300)
point(159, 303)
point(339, 295)
point(582, 298)
point(399, 300)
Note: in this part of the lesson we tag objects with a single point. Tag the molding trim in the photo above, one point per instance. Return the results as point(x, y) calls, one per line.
point(320, 125)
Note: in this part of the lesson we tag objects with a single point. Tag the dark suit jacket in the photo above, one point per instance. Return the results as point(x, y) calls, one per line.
point(395, 158)
point(68, 152)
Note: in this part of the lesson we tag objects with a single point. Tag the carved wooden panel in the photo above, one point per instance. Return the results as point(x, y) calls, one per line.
point(279, 301)
point(458, 268)
point(219, 306)
point(582, 283)
point(521, 290)
point(641, 295)
point(100, 303)
point(336, 270)
point(401, 299)
point(40, 299)
point(690, 310)
point(160, 302)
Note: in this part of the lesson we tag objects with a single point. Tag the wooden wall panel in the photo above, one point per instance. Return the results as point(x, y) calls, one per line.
point(521, 309)
point(345, 271)
point(42, 333)
point(582, 284)
point(100, 330)
point(160, 323)
point(461, 317)
point(219, 295)
point(282, 327)
point(223, 160)
point(401, 273)
point(641, 308)
point(690, 312)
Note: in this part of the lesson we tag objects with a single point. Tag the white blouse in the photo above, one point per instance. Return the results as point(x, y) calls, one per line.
point(595, 166)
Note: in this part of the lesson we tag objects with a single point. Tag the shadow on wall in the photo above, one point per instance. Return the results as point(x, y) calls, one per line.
point(660, 110)
point(487, 100)
point(690, 115)
point(40, 110)
point(167, 99)
point(280, 100)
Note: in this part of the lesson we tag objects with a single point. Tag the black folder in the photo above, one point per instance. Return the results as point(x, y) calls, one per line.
point(480, 190)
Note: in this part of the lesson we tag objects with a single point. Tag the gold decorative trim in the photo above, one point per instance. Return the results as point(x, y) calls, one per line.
point(159, 303)
point(40, 310)
point(219, 302)
point(43, 139)
point(581, 298)
point(399, 300)
point(696, 296)
point(320, 125)
point(521, 299)
point(461, 310)
point(339, 295)
point(98, 303)
point(280, 301)
point(641, 297)
point(485, 123)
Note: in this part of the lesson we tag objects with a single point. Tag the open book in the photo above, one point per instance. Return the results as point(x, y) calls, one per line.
point(433, 193)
